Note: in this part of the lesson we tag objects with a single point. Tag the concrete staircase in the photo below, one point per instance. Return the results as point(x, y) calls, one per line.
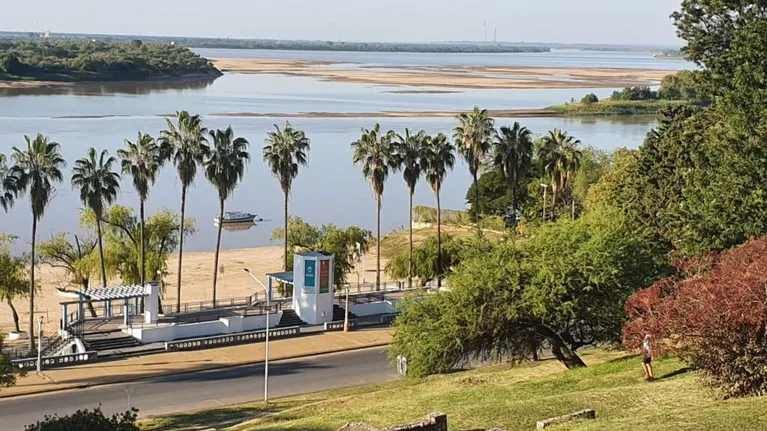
point(110, 341)
point(290, 318)
point(338, 313)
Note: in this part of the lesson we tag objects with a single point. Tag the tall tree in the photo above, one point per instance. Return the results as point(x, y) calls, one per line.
point(142, 160)
point(186, 145)
point(37, 168)
point(513, 154)
point(375, 153)
point(285, 151)
point(74, 258)
point(473, 135)
point(409, 156)
point(13, 277)
point(439, 157)
point(224, 168)
point(7, 185)
point(99, 187)
point(560, 158)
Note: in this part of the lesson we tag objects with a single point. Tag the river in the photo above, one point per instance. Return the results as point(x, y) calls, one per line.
point(331, 189)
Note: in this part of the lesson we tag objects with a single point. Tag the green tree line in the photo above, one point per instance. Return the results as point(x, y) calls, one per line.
point(74, 60)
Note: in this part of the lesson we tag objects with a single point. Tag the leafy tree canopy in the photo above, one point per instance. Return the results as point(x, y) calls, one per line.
point(327, 239)
point(122, 240)
point(564, 287)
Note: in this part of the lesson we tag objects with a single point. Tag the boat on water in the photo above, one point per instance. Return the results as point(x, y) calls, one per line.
point(236, 217)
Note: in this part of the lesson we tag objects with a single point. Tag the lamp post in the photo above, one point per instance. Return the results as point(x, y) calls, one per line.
point(266, 359)
point(359, 254)
point(545, 190)
point(39, 344)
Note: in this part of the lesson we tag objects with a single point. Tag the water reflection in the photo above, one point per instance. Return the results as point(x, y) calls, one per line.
point(135, 88)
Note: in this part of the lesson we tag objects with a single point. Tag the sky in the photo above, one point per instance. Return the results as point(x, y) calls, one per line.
point(568, 21)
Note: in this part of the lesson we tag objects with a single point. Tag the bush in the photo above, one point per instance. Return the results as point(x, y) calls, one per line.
point(84, 420)
point(589, 99)
point(425, 259)
point(712, 314)
point(634, 93)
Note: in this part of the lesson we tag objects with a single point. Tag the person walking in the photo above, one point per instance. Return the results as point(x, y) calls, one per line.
point(647, 358)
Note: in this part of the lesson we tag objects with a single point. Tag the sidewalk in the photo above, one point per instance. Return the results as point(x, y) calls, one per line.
point(163, 364)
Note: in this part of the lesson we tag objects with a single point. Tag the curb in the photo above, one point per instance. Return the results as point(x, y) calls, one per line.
point(182, 372)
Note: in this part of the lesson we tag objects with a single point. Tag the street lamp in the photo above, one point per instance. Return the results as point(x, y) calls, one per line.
point(359, 254)
point(545, 190)
point(266, 360)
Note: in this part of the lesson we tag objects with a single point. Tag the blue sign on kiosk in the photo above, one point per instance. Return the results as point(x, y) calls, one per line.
point(310, 273)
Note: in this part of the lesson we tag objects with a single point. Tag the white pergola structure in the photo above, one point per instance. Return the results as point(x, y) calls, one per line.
point(149, 293)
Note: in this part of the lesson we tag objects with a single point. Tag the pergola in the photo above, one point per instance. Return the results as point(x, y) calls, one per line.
point(106, 295)
point(280, 277)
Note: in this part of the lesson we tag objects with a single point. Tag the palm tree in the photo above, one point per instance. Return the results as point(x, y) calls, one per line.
point(37, 168)
point(560, 158)
point(513, 154)
point(7, 185)
point(409, 152)
point(186, 145)
point(224, 168)
point(142, 160)
point(285, 151)
point(473, 135)
point(375, 153)
point(99, 187)
point(439, 157)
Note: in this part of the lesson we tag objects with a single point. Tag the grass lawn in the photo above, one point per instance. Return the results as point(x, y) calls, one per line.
point(513, 398)
point(395, 242)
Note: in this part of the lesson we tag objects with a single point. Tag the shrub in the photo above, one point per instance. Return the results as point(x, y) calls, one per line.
point(425, 259)
point(84, 420)
point(589, 99)
point(712, 313)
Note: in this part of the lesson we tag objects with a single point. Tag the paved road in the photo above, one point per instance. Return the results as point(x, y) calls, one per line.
point(208, 388)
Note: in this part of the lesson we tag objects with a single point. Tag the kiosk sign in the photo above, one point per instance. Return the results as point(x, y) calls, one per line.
point(310, 275)
point(324, 276)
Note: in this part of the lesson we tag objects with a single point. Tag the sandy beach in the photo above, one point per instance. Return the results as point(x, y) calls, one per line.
point(7, 85)
point(478, 77)
point(196, 282)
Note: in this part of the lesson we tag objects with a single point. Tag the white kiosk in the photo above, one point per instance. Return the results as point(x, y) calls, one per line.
point(313, 287)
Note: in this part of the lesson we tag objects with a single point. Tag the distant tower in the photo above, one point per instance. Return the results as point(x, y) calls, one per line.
point(484, 31)
point(495, 34)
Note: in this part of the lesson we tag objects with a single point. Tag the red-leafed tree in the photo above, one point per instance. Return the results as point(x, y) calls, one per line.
point(713, 314)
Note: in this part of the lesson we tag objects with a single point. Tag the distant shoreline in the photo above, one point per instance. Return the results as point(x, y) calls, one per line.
point(8, 84)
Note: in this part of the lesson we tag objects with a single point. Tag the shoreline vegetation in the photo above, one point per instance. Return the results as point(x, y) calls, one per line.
point(30, 64)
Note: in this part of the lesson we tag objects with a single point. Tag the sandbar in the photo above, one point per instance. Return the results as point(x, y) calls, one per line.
point(470, 77)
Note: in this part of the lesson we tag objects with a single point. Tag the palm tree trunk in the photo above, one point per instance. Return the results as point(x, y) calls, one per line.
point(181, 250)
point(439, 241)
point(15, 314)
point(378, 243)
point(476, 197)
point(410, 256)
point(32, 288)
point(218, 249)
point(285, 268)
point(101, 253)
point(142, 249)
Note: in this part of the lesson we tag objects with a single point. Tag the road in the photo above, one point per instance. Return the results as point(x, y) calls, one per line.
point(206, 389)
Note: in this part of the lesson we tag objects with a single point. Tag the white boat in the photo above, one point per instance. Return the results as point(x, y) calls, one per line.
point(235, 217)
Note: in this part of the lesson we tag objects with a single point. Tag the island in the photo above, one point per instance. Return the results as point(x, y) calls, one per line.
point(64, 61)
